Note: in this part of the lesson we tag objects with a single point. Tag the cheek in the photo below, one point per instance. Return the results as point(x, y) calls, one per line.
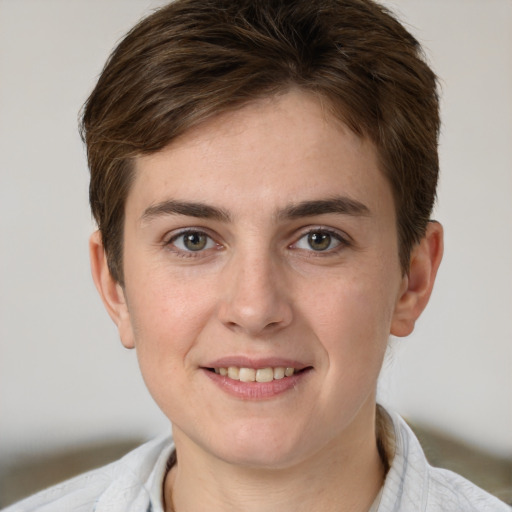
point(358, 305)
point(352, 320)
point(167, 315)
point(167, 319)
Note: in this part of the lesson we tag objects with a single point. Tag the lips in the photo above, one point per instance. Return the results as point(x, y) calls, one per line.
point(251, 379)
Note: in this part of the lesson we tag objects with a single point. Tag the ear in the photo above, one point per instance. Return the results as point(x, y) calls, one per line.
point(418, 283)
point(111, 292)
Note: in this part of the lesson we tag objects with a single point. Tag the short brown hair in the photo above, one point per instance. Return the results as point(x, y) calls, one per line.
point(193, 59)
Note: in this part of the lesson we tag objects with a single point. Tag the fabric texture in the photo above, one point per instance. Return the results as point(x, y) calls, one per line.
point(134, 484)
point(413, 485)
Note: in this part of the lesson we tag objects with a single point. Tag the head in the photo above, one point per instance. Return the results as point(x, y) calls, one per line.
point(196, 59)
point(262, 174)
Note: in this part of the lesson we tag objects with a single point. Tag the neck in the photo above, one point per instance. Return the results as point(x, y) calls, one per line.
point(345, 475)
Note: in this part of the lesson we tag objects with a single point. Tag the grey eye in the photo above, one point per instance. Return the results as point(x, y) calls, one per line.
point(192, 241)
point(319, 241)
point(195, 241)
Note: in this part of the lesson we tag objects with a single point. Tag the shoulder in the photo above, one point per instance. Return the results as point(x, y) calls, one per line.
point(120, 486)
point(412, 484)
point(449, 491)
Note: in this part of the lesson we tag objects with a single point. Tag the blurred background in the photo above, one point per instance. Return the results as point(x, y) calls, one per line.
point(72, 398)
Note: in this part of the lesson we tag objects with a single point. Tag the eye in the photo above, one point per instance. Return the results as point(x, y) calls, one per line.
point(192, 241)
point(319, 240)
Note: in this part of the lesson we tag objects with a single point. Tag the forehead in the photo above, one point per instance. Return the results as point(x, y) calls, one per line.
point(270, 153)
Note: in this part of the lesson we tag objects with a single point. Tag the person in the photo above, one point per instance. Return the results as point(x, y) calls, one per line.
point(262, 176)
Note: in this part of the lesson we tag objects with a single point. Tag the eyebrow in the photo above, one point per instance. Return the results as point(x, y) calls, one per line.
point(190, 209)
point(339, 204)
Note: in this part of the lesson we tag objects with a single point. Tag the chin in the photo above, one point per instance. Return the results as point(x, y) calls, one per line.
point(259, 457)
point(260, 448)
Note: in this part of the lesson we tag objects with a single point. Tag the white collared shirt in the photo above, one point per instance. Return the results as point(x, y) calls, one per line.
point(412, 485)
point(135, 483)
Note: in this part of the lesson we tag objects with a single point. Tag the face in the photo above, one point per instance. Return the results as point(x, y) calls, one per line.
point(261, 241)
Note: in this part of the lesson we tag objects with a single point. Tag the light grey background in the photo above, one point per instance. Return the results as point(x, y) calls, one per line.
point(64, 376)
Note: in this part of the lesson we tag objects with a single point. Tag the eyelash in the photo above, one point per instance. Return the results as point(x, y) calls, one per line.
point(189, 253)
point(340, 240)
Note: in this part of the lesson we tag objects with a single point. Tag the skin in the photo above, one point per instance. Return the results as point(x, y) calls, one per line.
point(260, 289)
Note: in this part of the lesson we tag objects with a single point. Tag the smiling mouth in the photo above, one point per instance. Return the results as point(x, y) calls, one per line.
point(256, 375)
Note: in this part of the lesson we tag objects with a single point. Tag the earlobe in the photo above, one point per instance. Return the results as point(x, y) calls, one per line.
point(111, 292)
point(418, 283)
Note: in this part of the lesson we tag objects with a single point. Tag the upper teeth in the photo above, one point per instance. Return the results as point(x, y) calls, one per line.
point(253, 375)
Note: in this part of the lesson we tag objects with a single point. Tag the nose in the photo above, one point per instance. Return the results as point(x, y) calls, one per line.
point(255, 298)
